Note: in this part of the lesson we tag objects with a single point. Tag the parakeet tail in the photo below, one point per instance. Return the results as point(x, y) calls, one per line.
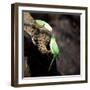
point(51, 63)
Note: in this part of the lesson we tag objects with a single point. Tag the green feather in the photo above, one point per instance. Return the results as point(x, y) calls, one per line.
point(54, 49)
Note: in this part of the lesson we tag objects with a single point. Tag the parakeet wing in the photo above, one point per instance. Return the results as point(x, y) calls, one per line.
point(54, 50)
point(53, 46)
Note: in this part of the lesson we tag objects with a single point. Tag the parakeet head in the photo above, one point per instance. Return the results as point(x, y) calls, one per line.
point(43, 24)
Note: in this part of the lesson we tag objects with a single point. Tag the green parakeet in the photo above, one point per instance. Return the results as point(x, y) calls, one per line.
point(54, 49)
point(53, 45)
